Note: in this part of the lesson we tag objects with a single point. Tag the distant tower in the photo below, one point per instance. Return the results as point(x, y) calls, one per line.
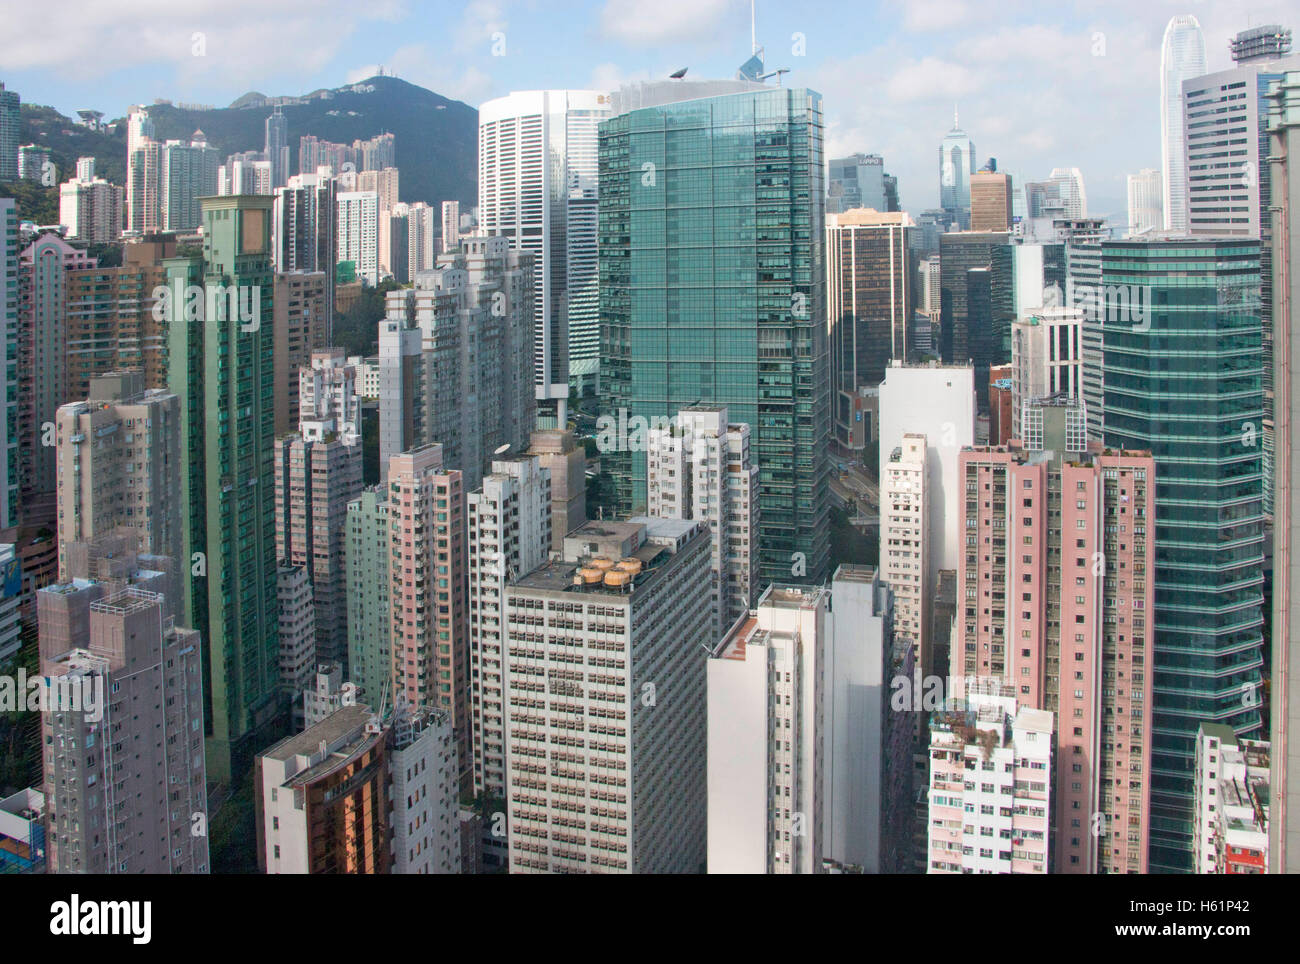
point(1182, 56)
point(956, 162)
point(277, 148)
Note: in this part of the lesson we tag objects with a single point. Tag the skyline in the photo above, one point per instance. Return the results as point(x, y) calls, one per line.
point(1028, 92)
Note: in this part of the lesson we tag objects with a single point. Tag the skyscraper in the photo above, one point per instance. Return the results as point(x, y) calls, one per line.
point(857, 181)
point(1145, 202)
point(956, 164)
point(1261, 43)
point(9, 435)
point(223, 370)
point(990, 201)
point(366, 552)
point(1182, 57)
point(304, 230)
point(1201, 423)
point(10, 132)
point(1284, 207)
point(450, 225)
point(187, 173)
point(976, 280)
point(358, 233)
point(538, 187)
point(277, 148)
point(697, 307)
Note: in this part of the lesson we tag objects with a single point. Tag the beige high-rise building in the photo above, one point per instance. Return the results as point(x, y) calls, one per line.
point(118, 470)
point(430, 640)
point(567, 462)
point(450, 225)
point(990, 201)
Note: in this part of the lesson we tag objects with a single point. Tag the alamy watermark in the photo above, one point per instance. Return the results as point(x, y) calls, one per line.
point(46, 694)
point(1125, 304)
point(202, 302)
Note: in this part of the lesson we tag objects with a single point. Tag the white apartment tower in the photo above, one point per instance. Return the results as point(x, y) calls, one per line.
point(904, 543)
point(765, 737)
point(509, 536)
point(358, 233)
point(538, 174)
point(700, 468)
point(1046, 358)
point(991, 771)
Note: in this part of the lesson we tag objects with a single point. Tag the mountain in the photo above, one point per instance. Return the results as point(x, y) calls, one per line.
point(437, 138)
point(68, 141)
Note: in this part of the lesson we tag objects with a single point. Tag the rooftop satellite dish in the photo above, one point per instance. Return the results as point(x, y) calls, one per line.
point(502, 450)
point(679, 74)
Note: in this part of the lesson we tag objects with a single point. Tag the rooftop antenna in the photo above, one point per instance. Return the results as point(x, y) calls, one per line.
point(753, 33)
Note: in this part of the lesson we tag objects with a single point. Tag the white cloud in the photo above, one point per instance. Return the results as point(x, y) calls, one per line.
point(640, 23)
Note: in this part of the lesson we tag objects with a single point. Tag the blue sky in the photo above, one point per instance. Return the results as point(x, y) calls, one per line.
point(1067, 84)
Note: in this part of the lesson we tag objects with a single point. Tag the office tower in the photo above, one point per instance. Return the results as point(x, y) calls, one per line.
point(9, 379)
point(1228, 185)
point(91, 209)
point(537, 186)
point(766, 757)
point(42, 360)
point(509, 536)
point(858, 181)
point(118, 468)
point(567, 463)
point(188, 172)
point(317, 473)
point(1083, 290)
point(991, 772)
point(975, 332)
point(323, 799)
point(277, 148)
point(358, 233)
point(700, 469)
point(468, 388)
point(1233, 801)
point(296, 619)
point(228, 459)
point(937, 402)
point(1064, 621)
point(1284, 145)
point(450, 225)
point(1261, 43)
point(867, 741)
point(301, 325)
point(10, 129)
point(369, 622)
point(429, 639)
point(905, 542)
point(304, 232)
point(1039, 275)
point(1073, 196)
point(990, 201)
point(956, 164)
point(1046, 359)
point(746, 327)
point(869, 265)
point(1201, 424)
point(1182, 57)
point(1145, 202)
point(113, 642)
point(640, 627)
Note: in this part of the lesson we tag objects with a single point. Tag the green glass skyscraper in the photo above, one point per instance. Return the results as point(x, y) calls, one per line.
point(713, 291)
point(1183, 362)
point(221, 365)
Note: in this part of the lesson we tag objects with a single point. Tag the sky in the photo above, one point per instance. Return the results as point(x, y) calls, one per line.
point(1072, 83)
